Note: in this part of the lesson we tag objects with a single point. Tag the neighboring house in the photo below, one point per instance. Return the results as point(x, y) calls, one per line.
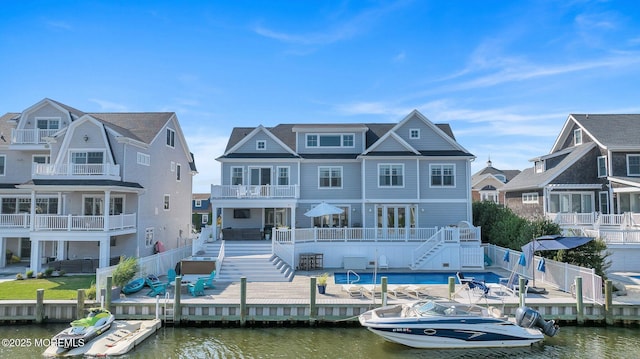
point(486, 183)
point(403, 190)
point(590, 180)
point(201, 210)
point(92, 186)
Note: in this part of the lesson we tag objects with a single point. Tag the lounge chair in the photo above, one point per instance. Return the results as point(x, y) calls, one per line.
point(157, 288)
point(511, 285)
point(197, 289)
point(399, 291)
point(477, 287)
point(208, 281)
point(355, 290)
point(418, 291)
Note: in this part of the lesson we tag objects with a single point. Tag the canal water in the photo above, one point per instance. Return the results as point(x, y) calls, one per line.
point(351, 343)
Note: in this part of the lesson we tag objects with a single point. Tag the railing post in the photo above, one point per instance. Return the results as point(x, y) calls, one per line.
point(69, 221)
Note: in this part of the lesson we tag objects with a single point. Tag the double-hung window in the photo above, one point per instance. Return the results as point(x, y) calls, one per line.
point(442, 175)
point(236, 176)
point(602, 166)
point(390, 175)
point(633, 165)
point(171, 137)
point(330, 177)
point(283, 176)
point(3, 162)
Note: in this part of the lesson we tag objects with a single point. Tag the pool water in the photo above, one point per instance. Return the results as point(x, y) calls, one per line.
point(414, 278)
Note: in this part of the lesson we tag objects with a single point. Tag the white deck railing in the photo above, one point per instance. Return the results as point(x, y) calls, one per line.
point(72, 169)
point(69, 222)
point(30, 136)
point(254, 192)
point(20, 220)
point(350, 234)
point(613, 236)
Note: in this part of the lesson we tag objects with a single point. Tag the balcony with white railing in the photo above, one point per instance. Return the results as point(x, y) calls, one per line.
point(19, 220)
point(33, 136)
point(67, 170)
point(350, 234)
point(70, 222)
point(255, 191)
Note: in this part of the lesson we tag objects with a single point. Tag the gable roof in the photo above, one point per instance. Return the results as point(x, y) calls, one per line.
point(529, 179)
point(610, 131)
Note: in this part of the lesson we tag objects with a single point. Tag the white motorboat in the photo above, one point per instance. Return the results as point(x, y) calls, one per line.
point(448, 324)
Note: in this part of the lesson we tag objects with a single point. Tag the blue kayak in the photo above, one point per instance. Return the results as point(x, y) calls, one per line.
point(133, 286)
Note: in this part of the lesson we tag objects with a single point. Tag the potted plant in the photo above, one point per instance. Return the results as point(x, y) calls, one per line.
point(124, 273)
point(321, 281)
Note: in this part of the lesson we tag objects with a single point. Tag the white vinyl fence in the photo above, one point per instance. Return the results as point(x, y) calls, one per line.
point(157, 264)
point(557, 274)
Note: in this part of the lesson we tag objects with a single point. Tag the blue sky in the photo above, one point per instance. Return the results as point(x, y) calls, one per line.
point(504, 74)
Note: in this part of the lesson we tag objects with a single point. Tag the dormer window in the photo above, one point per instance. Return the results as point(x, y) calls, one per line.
point(539, 166)
point(414, 134)
point(48, 123)
point(501, 178)
point(261, 145)
point(330, 140)
point(577, 137)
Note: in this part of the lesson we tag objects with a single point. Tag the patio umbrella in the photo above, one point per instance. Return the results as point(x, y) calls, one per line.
point(323, 209)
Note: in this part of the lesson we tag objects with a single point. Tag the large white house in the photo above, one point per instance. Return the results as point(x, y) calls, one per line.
point(404, 190)
point(91, 187)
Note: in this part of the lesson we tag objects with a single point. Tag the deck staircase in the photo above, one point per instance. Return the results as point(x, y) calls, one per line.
point(253, 260)
point(425, 257)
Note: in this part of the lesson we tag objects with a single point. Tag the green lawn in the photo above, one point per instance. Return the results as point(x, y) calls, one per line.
point(54, 287)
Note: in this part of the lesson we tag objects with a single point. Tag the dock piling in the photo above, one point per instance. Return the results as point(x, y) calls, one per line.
point(80, 304)
point(243, 301)
point(313, 307)
point(39, 306)
point(384, 291)
point(177, 308)
point(579, 301)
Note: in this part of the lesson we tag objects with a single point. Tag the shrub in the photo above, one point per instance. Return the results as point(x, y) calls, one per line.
point(15, 259)
point(40, 275)
point(91, 292)
point(48, 272)
point(19, 276)
point(125, 271)
point(29, 273)
point(62, 272)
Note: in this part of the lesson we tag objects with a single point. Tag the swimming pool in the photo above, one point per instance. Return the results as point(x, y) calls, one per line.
point(415, 278)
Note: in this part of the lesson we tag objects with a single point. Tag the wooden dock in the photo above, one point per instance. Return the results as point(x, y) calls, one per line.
point(298, 303)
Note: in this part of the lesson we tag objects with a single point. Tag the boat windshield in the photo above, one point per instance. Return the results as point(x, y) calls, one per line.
point(432, 308)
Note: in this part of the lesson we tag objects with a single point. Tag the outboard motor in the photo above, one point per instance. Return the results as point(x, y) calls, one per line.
point(529, 318)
